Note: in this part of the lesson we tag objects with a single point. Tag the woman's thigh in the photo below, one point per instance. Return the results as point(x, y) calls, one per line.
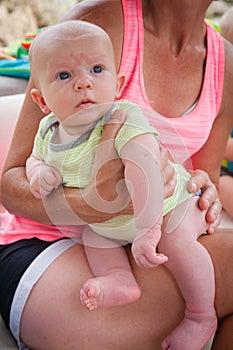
point(54, 318)
point(220, 247)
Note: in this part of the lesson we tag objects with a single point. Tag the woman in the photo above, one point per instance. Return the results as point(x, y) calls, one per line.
point(226, 178)
point(174, 66)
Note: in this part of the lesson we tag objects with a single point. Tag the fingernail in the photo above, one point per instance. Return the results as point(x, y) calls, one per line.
point(211, 231)
point(214, 216)
point(194, 187)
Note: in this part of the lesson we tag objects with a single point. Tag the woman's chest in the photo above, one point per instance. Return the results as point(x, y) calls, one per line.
point(172, 82)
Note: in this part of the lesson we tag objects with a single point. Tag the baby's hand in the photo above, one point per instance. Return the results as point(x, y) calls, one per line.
point(144, 249)
point(44, 181)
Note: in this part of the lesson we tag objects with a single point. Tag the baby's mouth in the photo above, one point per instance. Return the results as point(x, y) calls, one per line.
point(85, 104)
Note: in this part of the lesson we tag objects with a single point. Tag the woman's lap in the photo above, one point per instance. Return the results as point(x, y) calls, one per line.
point(68, 322)
point(158, 311)
point(220, 247)
point(53, 310)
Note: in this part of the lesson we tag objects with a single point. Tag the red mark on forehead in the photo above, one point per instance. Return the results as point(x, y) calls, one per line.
point(76, 57)
point(79, 58)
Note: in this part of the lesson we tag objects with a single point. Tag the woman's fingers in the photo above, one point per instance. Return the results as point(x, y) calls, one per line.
point(209, 200)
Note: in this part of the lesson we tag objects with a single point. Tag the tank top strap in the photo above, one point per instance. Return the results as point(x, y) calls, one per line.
point(132, 52)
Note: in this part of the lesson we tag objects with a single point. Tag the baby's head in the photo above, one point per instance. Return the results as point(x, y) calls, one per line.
point(58, 38)
point(73, 68)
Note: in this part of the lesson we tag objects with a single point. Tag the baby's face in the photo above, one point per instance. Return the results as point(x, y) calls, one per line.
point(79, 79)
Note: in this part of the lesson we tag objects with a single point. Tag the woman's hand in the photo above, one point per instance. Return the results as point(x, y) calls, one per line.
point(209, 199)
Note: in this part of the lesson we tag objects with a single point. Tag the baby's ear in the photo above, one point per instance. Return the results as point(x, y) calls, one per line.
point(120, 83)
point(39, 99)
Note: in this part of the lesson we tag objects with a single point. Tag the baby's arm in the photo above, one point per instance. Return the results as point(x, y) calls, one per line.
point(42, 178)
point(144, 180)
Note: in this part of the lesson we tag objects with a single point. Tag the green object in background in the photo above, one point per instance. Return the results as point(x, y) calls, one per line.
point(18, 65)
point(213, 24)
point(20, 48)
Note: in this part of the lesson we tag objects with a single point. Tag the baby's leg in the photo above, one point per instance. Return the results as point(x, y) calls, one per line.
point(114, 283)
point(192, 267)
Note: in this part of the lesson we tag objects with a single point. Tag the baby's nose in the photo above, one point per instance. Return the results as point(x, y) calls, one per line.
point(82, 83)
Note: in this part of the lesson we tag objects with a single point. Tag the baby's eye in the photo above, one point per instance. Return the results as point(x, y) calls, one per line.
point(97, 69)
point(63, 76)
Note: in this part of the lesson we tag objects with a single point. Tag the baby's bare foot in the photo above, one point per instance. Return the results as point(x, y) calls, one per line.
point(117, 288)
point(191, 334)
point(90, 293)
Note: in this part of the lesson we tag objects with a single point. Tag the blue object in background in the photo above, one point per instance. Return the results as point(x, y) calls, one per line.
point(18, 68)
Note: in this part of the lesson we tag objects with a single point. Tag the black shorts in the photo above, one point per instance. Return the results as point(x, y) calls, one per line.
point(21, 265)
point(15, 258)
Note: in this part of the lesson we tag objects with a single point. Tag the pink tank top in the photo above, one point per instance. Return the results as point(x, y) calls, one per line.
point(185, 135)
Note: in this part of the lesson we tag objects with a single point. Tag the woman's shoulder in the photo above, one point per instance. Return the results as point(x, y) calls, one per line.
point(103, 13)
point(226, 29)
point(228, 57)
point(228, 76)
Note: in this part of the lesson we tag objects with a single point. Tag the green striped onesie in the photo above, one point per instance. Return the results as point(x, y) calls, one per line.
point(74, 161)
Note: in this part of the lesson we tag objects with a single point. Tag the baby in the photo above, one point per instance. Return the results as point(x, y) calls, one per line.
point(77, 86)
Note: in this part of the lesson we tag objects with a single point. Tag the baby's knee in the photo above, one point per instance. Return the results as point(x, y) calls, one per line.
point(171, 246)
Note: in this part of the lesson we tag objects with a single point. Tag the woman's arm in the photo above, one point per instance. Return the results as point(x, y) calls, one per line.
point(13, 181)
point(210, 156)
point(15, 191)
